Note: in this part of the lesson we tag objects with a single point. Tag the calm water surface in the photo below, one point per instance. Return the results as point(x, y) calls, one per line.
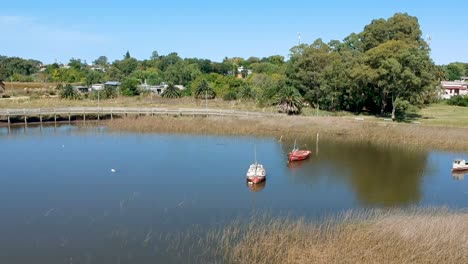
point(60, 202)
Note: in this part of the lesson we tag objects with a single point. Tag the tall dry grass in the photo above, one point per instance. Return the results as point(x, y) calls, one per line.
point(374, 236)
point(329, 128)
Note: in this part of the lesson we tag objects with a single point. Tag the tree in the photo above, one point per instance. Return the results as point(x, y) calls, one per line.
point(171, 92)
point(101, 61)
point(204, 90)
point(289, 100)
point(129, 87)
point(75, 64)
point(154, 55)
point(246, 92)
point(127, 55)
point(94, 77)
point(2, 86)
point(126, 66)
point(67, 92)
point(400, 71)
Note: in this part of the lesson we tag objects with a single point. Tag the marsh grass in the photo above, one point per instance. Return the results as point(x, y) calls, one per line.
point(304, 128)
point(372, 236)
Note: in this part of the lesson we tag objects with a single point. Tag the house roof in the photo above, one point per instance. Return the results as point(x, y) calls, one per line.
point(112, 83)
point(456, 87)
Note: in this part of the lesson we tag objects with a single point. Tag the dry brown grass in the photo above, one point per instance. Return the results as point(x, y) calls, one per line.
point(376, 236)
point(330, 128)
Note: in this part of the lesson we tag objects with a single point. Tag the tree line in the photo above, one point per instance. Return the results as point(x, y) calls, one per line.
point(385, 70)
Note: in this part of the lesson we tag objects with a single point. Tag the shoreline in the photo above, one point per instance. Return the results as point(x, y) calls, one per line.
point(329, 128)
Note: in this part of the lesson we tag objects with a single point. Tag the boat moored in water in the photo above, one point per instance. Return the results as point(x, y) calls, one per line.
point(256, 173)
point(297, 154)
point(459, 165)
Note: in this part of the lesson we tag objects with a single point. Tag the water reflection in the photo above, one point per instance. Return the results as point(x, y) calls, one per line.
point(459, 176)
point(379, 176)
point(256, 187)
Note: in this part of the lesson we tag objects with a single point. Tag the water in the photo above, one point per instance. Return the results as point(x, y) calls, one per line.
point(61, 203)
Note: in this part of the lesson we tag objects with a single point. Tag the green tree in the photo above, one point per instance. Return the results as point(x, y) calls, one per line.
point(68, 92)
point(102, 61)
point(94, 77)
point(171, 92)
point(289, 100)
point(204, 90)
point(129, 87)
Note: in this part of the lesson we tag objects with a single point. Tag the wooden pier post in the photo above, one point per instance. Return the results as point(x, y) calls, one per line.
point(8, 113)
point(84, 116)
point(112, 116)
point(316, 145)
point(25, 118)
point(55, 119)
point(69, 118)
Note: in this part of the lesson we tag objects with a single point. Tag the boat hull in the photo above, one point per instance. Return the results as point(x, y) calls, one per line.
point(299, 155)
point(460, 169)
point(255, 179)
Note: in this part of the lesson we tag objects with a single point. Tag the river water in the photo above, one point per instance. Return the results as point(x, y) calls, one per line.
point(85, 195)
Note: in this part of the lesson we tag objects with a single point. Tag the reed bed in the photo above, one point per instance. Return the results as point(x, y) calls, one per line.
point(373, 236)
point(329, 128)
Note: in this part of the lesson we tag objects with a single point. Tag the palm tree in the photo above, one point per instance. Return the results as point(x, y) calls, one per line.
point(246, 92)
point(2, 86)
point(67, 92)
point(204, 90)
point(171, 92)
point(289, 100)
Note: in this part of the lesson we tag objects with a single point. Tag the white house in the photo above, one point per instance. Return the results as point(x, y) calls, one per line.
point(453, 88)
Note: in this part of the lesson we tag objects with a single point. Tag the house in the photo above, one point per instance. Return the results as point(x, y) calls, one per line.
point(83, 89)
point(453, 88)
point(159, 89)
point(97, 86)
point(112, 83)
point(243, 72)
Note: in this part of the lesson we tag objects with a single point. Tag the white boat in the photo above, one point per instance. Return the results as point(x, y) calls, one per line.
point(459, 165)
point(256, 172)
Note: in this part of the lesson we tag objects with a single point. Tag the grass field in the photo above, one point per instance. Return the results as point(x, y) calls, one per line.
point(43, 95)
point(330, 128)
point(374, 236)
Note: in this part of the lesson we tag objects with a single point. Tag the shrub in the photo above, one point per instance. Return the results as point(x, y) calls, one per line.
point(67, 92)
point(458, 100)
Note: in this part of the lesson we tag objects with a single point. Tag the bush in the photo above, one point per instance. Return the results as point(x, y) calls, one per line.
point(67, 92)
point(230, 96)
point(458, 100)
point(129, 87)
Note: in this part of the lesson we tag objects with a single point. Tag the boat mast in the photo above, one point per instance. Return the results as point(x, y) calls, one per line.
point(255, 154)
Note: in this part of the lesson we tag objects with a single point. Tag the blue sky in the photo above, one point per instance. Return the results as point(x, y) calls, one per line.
point(50, 30)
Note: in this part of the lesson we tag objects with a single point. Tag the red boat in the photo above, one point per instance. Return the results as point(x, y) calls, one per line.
point(297, 154)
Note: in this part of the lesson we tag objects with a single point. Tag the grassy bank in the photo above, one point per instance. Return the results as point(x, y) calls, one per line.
point(376, 236)
point(330, 128)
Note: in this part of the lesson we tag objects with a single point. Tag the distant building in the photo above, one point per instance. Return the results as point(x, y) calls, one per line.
point(159, 89)
point(97, 86)
point(82, 89)
point(453, 88)
point(112, 83)
point(243, 72)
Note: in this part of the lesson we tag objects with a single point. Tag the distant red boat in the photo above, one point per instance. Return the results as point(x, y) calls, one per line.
point(297, 154)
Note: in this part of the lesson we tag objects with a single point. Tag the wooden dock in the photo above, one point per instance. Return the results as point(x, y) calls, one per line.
point(98, 113)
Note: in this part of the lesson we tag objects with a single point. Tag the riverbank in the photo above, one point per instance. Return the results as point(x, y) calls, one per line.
point(375, 236)
point(305, 128)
